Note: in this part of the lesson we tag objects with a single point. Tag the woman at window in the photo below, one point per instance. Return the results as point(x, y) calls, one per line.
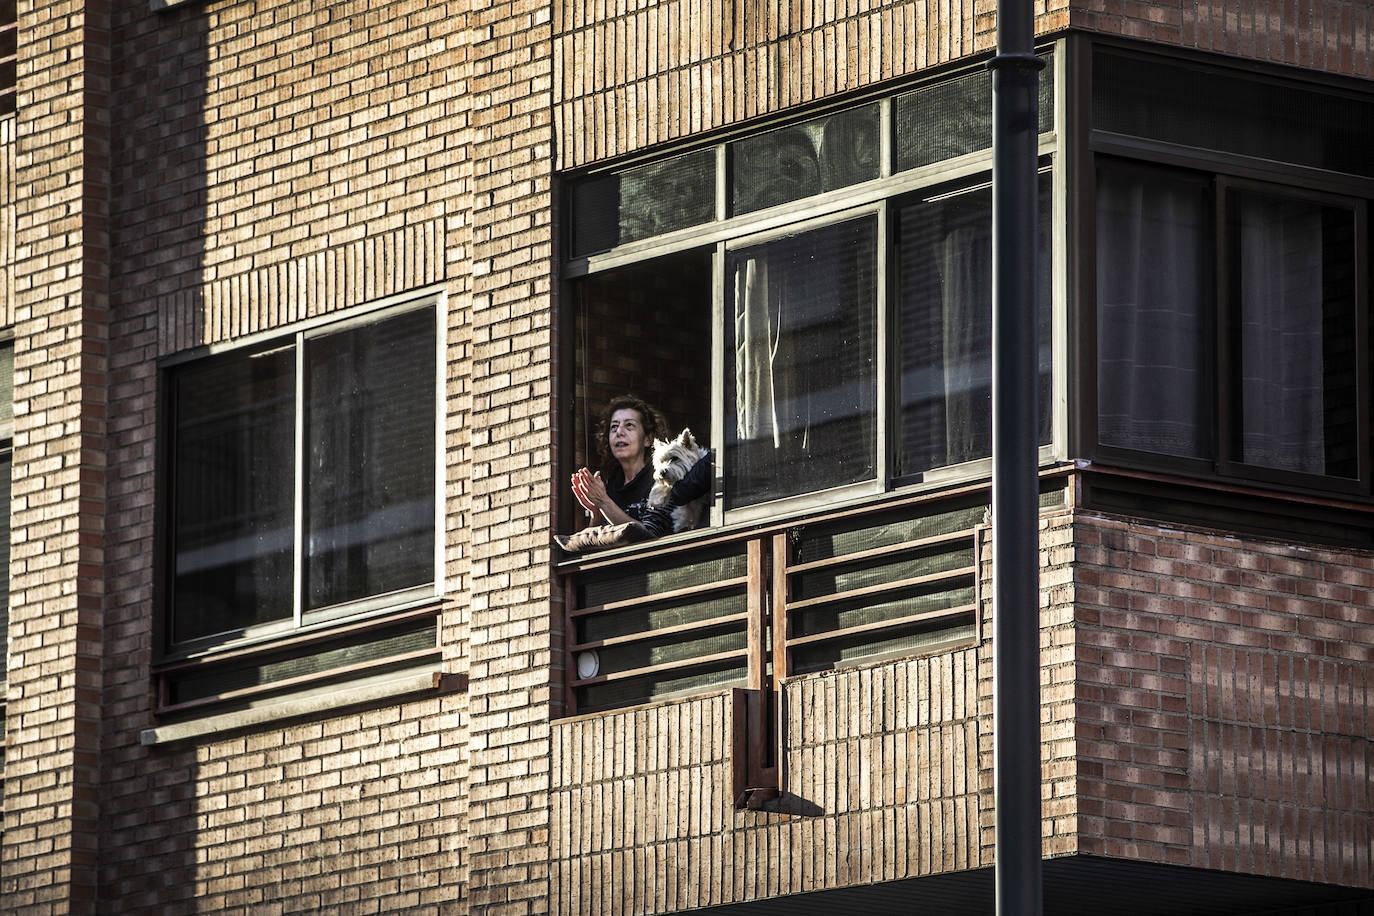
point(618, 494)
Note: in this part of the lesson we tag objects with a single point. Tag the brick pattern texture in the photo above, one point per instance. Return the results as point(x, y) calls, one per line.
point(251, 164)
point(887, 774)
point(1225, 702)
point(59, 305)
point(270, 163)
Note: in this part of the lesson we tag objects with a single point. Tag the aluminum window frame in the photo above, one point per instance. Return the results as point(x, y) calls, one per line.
point(873, 196)
point(302, 620)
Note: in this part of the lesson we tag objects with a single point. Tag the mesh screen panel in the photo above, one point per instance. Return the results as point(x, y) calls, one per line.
point(680, 647)
point(953, 118)
point(644, 201)
point(653, 617)
point(839, 616)
point(823, 544)
point(352, 649)
point(834, 151)
point(907, 641)
point(658, 576)
point(877, 572)
point(633, 691)
point(1238, 113)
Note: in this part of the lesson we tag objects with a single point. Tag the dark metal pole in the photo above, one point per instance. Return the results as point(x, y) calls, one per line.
point(1015, 504)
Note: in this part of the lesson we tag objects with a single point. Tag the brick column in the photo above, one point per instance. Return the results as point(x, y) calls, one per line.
point(511, 463)
point(52, 809)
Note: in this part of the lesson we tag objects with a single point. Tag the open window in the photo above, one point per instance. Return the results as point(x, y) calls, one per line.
point(812, 299)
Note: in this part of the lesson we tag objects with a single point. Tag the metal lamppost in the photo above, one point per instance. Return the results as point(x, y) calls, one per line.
point(1015, 503)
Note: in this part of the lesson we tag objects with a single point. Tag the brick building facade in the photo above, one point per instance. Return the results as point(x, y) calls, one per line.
point(235, 237)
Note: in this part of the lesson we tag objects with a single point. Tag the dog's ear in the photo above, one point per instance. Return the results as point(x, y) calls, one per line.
point(685, 437)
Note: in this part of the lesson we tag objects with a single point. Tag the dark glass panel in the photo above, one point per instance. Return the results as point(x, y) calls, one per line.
point(644, 201)
point(370, 425)
point(1292, 267)
point(834, 151)
point(1153, 312)
point(1238, 113)
point(944, 255)
point(953, 118)
point(801, 382)
point(232, 493)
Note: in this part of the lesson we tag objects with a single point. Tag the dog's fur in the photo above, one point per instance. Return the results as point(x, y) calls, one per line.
point(672, 461)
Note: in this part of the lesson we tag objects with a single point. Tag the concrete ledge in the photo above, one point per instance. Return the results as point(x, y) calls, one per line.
point(410, 683)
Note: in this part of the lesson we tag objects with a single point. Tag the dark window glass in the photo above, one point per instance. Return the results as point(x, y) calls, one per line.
point(952, 118)
point(801, 384)
point(1238, 113)
point(944, 346)
point(819, 155)
point(1153, 312)
point(233, 473)
point(367, 496)
point(370, 459)
point(1292, 273)
point(644, 201)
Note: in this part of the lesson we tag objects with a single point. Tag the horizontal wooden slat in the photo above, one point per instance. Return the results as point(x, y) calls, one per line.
point(690, 591)
point(642, 635)
point(325, 633)
point(882, 588)
point(877, 552)
point(881, 625)
point(666, 666)
point(299, 680)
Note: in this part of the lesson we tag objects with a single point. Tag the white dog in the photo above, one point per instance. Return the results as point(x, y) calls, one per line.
point(672, 461)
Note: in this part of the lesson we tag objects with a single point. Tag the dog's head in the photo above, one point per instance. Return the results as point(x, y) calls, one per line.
point(674, 459)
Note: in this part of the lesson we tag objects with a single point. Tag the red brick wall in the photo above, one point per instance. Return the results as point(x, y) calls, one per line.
point(1334, 36)
point(1225, 702)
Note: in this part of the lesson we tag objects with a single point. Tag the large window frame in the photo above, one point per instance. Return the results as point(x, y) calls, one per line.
point(874, 198)
point(303, 623)
point(1218, 175)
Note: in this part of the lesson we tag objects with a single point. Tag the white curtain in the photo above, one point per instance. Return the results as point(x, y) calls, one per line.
point(758, 333)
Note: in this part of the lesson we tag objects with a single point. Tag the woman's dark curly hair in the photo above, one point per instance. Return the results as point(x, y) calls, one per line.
point(655, 427)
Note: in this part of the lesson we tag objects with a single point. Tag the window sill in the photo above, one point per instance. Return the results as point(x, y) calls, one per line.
point(393, 686)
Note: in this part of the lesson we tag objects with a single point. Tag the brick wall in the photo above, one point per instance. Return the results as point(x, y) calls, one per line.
point(268, 164)
point(1225, 702)
point(59, 307)
point(887, 774)
point(630, 78)
point(1331, 35)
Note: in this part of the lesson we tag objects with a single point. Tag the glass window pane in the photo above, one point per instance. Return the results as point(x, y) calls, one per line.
point(370, 422)
point(644, 201)
point(954, 117)
point(1152, 331)
point(801, 384)
point(819, 155)
point(944, 257)
point(1293, 269)
point(233, 478)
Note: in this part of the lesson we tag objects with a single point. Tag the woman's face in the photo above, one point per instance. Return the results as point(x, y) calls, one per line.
point(627, 439)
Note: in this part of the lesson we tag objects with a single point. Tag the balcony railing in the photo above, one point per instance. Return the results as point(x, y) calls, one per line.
point(747, 608)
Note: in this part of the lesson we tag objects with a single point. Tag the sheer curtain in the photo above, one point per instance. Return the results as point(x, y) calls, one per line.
point(1282, 366)
point(803, 386)
point(1151, 332)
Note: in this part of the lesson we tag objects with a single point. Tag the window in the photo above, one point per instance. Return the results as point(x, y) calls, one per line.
point(302, 478)
point(813, 300)
point(1231, 277)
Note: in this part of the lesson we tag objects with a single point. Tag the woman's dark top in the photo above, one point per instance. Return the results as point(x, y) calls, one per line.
point(632, 498)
